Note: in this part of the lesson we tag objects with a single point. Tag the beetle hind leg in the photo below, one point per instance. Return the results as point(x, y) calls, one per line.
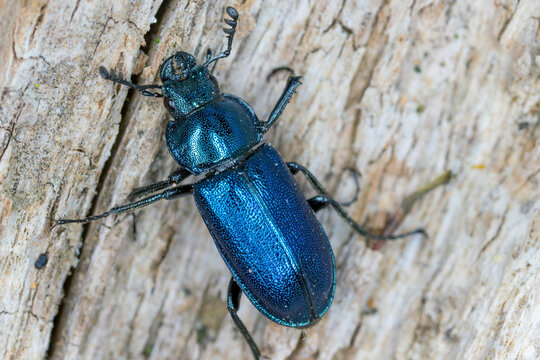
point(321, 201)
point(233, 304)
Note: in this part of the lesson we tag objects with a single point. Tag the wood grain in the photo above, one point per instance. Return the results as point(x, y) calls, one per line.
point(401, 91)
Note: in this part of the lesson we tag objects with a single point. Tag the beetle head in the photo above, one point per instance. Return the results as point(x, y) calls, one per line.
point(178, 67)
point(186, 85)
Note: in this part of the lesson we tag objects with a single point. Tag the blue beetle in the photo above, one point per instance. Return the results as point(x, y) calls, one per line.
point(263, 226)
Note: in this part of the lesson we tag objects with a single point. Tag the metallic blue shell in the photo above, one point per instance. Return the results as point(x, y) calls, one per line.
point(270, 238)
point(187, 94)
point(213, 134)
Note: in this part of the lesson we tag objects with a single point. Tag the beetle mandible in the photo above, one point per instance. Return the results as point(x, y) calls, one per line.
point(273, 244)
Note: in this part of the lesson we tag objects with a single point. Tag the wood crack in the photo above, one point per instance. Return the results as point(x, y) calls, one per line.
point(507, 21)
point(38, 22)
point(64, 308)
point(497, 233)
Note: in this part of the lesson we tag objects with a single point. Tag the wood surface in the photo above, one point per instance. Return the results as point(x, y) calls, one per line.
point(400, 91)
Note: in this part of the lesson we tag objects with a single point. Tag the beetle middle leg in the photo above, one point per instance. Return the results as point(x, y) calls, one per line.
point(233, 304)
point(321, 201)
point(175, 177)
point(167, 195)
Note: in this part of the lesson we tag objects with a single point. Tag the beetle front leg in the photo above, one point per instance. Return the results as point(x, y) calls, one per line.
point(167, 195)
point(233, 304)
point(174, 178)
point(292, 83)
point(321, 201)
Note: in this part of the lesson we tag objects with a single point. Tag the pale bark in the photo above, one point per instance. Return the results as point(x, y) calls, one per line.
point(399, 90)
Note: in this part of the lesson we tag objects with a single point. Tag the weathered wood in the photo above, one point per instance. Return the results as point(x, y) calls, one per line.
point(399, 90)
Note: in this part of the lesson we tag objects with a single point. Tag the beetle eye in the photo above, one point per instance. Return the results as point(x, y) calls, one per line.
point(169, 104)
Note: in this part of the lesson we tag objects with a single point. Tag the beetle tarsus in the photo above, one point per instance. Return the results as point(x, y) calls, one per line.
point(167, 195)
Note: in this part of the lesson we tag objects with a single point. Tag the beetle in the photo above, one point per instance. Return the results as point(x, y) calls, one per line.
point(262, 225)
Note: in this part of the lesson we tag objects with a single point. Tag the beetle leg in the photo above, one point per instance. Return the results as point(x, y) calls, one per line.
point(286, 95)
point(233, 304)
point(295, 168)
point(167, 194)
point(319, 202)
point(175, 177)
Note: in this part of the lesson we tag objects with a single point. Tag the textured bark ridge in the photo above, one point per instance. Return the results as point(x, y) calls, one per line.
point(399, 90)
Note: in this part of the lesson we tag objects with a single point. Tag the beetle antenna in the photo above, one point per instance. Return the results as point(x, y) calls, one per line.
point(230, 36)
point(110, 75)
